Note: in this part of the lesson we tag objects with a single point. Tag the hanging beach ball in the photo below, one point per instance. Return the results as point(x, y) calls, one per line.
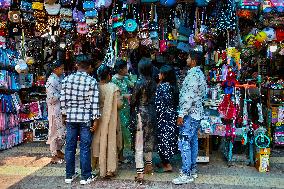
point(271, 34)
point(261, 36)
point(168, 3)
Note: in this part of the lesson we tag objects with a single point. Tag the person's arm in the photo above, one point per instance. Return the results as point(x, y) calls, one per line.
point(63, 98)
point(95, 106)
point(94, 100)
point(187, 95)
point(135, 95)
point(119, 100)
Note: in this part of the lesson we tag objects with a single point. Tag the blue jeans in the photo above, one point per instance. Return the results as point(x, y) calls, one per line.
point(188, 144)
point(73, 131)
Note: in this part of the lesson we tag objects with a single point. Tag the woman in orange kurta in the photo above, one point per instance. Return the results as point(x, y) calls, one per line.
point(107, 138)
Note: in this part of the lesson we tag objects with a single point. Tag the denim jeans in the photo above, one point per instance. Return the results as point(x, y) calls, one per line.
point(188, 144)
point(73, 131)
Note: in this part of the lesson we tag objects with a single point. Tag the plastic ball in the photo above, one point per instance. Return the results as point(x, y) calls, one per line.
point(271, 34)
point(261, 36)
point(168, 3)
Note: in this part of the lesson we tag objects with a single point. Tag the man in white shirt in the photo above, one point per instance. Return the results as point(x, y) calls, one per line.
point(189, 116)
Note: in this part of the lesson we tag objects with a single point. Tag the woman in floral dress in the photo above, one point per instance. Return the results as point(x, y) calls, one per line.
point(166, 102)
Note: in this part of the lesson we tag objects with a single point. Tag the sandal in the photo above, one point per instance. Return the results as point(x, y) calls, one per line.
point(56, 160)
point(149, 169)
point(109, 175)
point(139, 178)
point(60, 154)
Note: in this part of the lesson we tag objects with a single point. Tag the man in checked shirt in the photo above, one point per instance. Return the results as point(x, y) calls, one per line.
point(80, 108)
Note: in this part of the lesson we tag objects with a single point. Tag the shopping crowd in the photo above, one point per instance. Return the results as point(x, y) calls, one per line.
point(111, 112)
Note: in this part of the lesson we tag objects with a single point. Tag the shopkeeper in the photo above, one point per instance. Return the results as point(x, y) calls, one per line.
point(56, 133)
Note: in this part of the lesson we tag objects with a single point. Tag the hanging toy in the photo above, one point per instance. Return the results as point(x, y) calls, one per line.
point(261, 36)
point(260, 115)
point(30, 61)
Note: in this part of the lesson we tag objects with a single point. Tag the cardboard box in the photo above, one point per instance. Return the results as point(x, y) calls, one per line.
point(262, 159)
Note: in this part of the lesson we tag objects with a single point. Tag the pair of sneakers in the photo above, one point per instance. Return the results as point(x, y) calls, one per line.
point(184, 179)
point(82, 182)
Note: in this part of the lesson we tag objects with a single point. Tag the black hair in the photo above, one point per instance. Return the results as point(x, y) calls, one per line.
point(119, 65)
point(170, 76)
point(145, 67)
point(56, 64)
point(83, 61)
point(103, 72)
point(197, 56)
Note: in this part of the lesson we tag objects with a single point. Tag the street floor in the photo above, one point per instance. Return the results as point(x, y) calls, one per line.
point(27, 166)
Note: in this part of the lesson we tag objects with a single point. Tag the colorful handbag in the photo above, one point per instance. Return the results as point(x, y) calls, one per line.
point(82, 28)
point(37, 6)
point(28, 17)
point(78, 16)
point(26, 6)
point(183, 46)
point(184, 31)
point(130, 25)
point(91, 21)
point(91, 14)
point(66, 2)
point(88, 5)
point(52, 9)
point(14, 16)
point(65, 25)
point(14, 30)
point(66, 12)
point(154, 35)
point(5, 4)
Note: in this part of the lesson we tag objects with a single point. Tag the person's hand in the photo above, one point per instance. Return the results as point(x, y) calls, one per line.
point(127, 96)
point(94, 126)
point(180, 121)
point(64, 119)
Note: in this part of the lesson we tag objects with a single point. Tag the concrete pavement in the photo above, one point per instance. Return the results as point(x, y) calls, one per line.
point(27, 166)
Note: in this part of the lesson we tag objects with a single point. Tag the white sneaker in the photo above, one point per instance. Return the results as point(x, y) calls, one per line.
point(70, 180)
point(182, 179)
point(194, 175)
point(88, 181)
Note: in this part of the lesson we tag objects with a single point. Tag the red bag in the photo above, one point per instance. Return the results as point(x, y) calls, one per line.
point(279, 34)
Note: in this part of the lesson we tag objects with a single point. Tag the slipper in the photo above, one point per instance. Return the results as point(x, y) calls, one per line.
point(60, 161)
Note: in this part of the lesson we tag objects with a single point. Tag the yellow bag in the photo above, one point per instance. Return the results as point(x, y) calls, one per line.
point(37, 6)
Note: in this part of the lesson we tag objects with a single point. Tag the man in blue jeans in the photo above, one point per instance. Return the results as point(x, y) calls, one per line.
point(190, 114)
point(80, 109)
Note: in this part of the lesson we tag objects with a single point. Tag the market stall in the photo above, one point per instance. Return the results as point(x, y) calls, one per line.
point(242, 43)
